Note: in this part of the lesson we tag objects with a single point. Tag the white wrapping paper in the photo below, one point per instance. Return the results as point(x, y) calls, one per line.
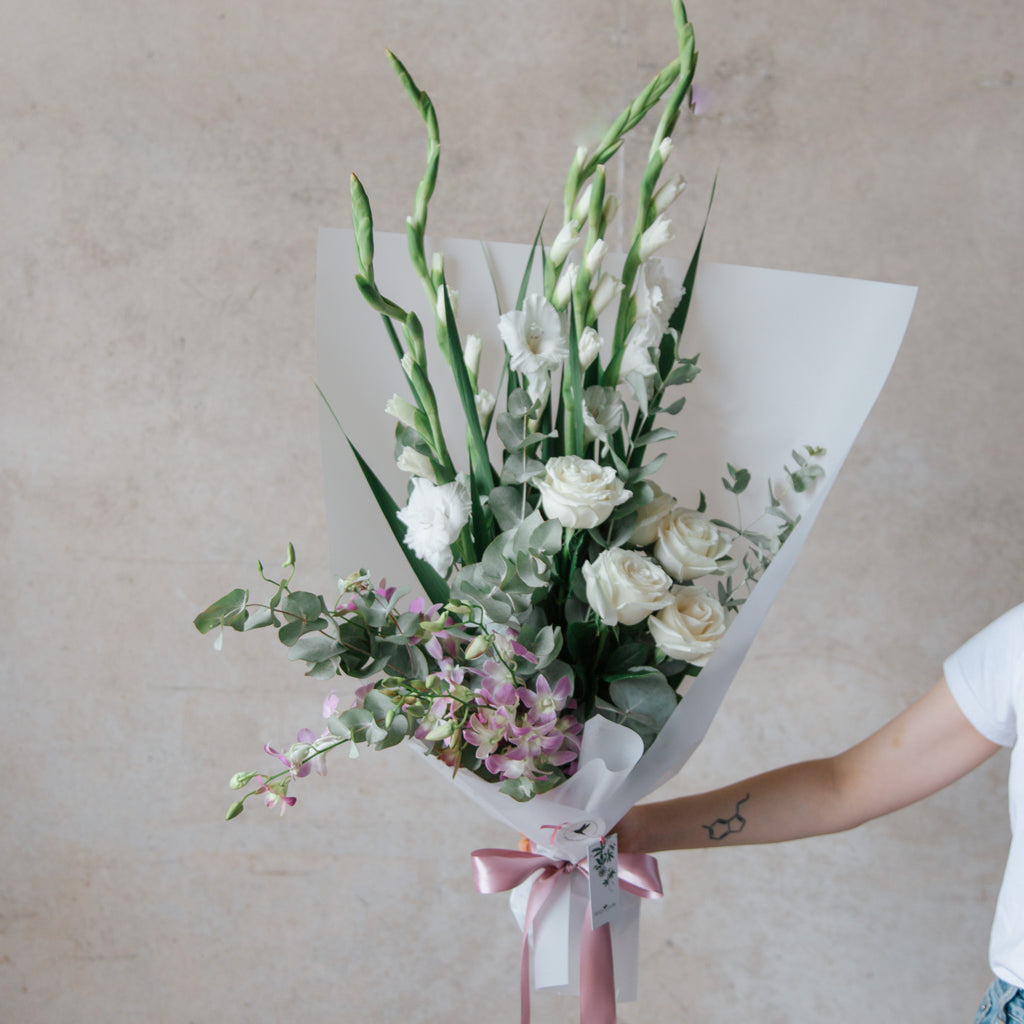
point(787, 359)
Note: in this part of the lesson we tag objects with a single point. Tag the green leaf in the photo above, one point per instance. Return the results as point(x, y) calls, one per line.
point(222, 611)
point(314, 649)
point(260, 617)
point(429, 578)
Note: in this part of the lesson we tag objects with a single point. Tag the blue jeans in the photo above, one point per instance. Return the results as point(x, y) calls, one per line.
point(1003, 1004)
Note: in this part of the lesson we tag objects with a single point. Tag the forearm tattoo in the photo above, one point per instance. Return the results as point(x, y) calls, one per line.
point(722, 827)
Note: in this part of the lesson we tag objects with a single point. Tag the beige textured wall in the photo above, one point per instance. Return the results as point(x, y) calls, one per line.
point(163, 171)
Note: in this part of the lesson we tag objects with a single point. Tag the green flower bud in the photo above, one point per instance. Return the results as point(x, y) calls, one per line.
point(234, 811)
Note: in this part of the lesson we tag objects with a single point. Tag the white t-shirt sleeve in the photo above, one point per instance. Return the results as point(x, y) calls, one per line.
point(984, 676)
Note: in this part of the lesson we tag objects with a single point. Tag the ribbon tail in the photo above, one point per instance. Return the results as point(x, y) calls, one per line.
point(597, 975)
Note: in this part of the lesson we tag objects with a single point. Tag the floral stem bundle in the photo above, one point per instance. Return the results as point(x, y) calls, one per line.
point(558, 581)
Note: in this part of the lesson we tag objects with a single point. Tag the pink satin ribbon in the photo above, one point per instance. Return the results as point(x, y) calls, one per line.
point(501, 870)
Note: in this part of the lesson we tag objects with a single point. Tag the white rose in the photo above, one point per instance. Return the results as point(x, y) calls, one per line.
point(650, 517)
point(625, 586)
point(690, 627)
point(435, 516)
point(579, 492)
point(689, 544)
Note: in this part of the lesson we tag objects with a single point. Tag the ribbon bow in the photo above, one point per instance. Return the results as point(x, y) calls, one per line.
point(502, 870)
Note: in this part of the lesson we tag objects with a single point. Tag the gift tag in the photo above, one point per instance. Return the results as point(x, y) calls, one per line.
point(603, 868)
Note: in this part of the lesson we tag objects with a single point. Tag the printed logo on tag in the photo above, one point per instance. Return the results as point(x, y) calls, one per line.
point(603, 868)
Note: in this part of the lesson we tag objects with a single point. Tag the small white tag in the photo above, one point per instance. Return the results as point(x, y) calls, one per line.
point(603, 868)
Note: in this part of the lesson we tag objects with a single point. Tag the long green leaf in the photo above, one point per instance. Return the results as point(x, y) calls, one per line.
point(429, 578)
point(479, 459)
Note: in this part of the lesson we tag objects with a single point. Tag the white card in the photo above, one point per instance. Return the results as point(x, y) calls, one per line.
point(603, 867)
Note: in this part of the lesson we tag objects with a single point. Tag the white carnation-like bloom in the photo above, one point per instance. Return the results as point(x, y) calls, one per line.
point(625, 586)
point(580, 492)
point(651, 516)
point(602, 412)
point(689, 544)
point(434, 517)
point(690, 627)
point(534, 337)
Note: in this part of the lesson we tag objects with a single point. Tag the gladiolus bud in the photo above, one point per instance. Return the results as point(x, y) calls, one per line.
point(665, 148)
point(402, 410)
point(563, 243)
point(668, 193)
point(595, 255)
point(471, 354)
point(607, 288)
point(582, 207)
point(563, 290)
point(655, 237)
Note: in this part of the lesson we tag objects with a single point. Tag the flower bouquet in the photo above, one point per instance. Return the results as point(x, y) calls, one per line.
point(575, 622)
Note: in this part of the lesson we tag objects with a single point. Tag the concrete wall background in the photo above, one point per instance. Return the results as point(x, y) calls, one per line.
point(163, 171)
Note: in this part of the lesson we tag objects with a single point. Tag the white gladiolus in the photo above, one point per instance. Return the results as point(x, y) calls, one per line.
point(690, 627)
point(657, 294)
point(607, 288)
point(407, 363)
point(534, 337)
point(434, 517)
point(610, 208)
point(581, 209)
point(669, 193)
point(471, 354)
point(402, 410)
point(665, 148)
point(595, 256)
point(579, 492)
point(602, 412)
point(565, 285)
point(659, 234)
point(589, 346)
point(453, 299)
point(484, 404)
point(563, 243)
point(411, 461)
point(625, 586)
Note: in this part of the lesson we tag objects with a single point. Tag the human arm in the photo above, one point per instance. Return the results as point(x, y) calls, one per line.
point(921, 750)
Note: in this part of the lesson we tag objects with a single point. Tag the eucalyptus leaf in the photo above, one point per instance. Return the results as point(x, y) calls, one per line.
point(221, 611)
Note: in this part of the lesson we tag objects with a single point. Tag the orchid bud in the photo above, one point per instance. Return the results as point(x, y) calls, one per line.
point(234, 810)
point(242, 779)
point(477, 646)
